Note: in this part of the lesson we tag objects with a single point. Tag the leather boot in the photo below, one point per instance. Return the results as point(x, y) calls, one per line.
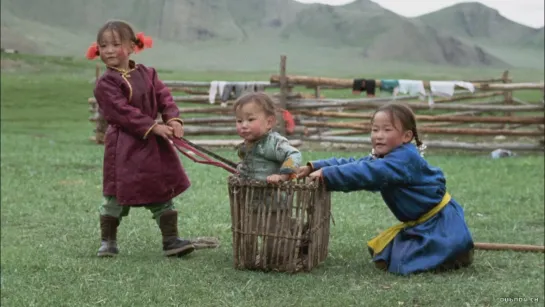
point(108, 228)
point(172, 244)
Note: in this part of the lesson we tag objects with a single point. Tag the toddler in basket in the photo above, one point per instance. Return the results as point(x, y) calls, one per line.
point(267, 157)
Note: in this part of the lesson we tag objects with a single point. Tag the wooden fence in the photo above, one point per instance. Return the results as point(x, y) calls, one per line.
point(488, 119)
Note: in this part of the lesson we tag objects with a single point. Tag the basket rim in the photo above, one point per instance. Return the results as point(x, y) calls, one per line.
point(303, 183)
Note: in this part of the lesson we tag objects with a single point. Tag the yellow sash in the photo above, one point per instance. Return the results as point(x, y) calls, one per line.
point(378, 243)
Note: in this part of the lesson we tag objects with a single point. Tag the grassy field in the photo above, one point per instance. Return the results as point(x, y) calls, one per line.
point(51, 191)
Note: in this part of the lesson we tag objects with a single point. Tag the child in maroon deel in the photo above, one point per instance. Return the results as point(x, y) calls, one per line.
point(141, 168)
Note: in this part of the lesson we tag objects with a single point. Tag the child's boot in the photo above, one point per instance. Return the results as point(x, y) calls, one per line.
point(108, 228)
point(172, 244)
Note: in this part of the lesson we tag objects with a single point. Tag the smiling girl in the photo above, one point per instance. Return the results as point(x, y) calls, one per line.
point(433, 234)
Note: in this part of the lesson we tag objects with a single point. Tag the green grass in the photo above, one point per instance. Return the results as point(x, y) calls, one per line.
point(51, 191)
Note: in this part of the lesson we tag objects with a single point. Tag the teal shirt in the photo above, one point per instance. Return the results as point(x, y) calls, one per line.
point(271, 155)
point(388, 85)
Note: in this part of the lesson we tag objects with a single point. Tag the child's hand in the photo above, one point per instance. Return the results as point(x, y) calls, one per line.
point(316, 175)
point(303, 171)
point(178, 128)
point(277, 178)
point(163, 131)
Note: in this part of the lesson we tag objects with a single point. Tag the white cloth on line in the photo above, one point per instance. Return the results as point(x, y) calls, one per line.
point(446, 88)
point(221, 85)
point(212, 91)
point(411, 87)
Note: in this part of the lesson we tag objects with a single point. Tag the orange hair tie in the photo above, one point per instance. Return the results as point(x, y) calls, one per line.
point(92, 51)
point(146, 41)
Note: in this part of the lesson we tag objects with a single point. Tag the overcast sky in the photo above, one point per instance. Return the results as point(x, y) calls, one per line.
point(527, 12)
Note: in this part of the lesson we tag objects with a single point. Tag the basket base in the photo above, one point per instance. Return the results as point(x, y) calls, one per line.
point(297, 266)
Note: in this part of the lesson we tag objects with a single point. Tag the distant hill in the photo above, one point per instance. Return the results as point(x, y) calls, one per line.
point(481, 23)
point(249, 30)
point(534, 39)
point(383, 35)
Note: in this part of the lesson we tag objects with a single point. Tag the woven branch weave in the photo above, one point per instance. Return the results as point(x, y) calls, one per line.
point(282, 227)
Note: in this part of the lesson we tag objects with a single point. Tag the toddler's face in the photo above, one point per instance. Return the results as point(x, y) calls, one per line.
point(252, 122)
point(388, 133)
point(113, 52)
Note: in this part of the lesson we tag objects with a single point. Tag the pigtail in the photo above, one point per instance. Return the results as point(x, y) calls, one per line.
point(421, 146)
point(139, 44)
point(142, 42)
point(92, 51)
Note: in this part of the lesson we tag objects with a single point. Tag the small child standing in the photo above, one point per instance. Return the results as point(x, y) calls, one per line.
point(266, 156)
point(433, 234)
point(141, 168)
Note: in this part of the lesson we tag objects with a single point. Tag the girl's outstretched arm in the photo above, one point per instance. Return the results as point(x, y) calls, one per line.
point(365, 174)
point(117, 110)
point(318, 164)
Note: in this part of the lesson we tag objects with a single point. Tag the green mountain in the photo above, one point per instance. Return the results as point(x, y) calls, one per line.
point(383, 35)
point(480, 23)
point(250, 34)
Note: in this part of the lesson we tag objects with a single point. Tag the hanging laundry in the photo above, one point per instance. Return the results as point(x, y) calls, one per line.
point(389, 85)
point(370, 87)
point(227, 89)
point(467, 85)
point(357, 86)
point(367, 85)
point(240, 87)
point(411, 87)
point(212, 91)
point(249, 86)
point(259, 87)
point(442, 88)
point(446, 88)
point(233, 90)
point(221, 86)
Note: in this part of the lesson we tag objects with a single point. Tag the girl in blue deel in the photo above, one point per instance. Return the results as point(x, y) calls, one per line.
point(433, 234)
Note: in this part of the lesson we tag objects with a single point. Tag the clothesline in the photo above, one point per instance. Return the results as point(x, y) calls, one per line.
point(426, 83)
point(206, 84)
point(232, 90)
point(411, 87)
point(347, 83)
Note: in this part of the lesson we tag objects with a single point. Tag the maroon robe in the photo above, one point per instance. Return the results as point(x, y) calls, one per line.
point(140, 168)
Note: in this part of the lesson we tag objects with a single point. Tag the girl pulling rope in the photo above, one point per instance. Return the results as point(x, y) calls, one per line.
point(141, 168)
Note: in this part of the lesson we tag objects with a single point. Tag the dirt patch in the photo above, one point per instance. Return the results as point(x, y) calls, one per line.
point(15, 65)
point(71, 182)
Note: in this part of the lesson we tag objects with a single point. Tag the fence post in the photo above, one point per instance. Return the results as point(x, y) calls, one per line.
point(507, 95)
point(101, 124)
point(283, 94)
point(317, 91)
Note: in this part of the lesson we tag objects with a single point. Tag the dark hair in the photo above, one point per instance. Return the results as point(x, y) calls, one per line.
point(263, 100)
point(404, 114)
point(123, 29)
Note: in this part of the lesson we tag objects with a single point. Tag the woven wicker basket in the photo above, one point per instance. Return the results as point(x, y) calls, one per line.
point(281, 228)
